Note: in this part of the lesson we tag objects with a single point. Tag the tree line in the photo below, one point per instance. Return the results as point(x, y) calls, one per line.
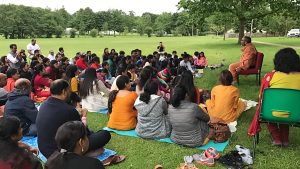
point(196, 18)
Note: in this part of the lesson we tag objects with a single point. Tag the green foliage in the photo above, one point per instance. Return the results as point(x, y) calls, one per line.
point(243, 11)
point(148, 31)
point(160, 33)
point(164, 22)
point(94, 33)
point(59, 30)
point(73, 33)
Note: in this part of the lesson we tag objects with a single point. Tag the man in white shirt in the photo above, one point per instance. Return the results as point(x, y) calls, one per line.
point(31, 47)
point(186, 63)
point(51, 55)
point(14, 59)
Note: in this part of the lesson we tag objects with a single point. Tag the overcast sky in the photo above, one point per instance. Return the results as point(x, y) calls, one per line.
point(138, 6)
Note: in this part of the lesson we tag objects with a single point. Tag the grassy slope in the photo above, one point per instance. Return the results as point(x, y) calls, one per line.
point(144, 154)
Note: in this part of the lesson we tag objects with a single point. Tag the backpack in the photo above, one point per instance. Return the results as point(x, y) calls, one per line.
point(219, 132)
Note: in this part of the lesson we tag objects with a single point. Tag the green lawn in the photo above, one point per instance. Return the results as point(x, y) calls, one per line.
point(145, 154)
point(295, 41)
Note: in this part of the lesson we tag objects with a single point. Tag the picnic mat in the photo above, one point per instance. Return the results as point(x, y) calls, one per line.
point(32, 141)
point(218, 146)
point(102, 111)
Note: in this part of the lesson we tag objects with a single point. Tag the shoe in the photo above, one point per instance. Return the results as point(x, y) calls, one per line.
point(202, 159)
point(188, 159)
point(212, 153)
point(243, 150)
point(247, 159)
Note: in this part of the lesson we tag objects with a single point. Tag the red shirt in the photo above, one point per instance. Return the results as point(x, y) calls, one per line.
point(95, 66)
point(40, 82)
point(81, 64)
point(10, 85)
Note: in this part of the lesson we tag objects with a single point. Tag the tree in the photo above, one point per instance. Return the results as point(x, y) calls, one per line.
point(220, 22)
point(243, 10)
point(59, 30)
point(163, 22)
point(94, 33)
point(148, 31)
point(105, 27)
point(73, 33)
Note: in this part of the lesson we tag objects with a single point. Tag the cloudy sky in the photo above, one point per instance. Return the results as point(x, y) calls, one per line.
point(138, 6)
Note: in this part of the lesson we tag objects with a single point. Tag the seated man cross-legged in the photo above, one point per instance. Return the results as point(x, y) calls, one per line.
point(54, 112)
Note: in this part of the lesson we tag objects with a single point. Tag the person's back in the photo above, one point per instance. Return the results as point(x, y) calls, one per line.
point(20, 105)
point(52, 114)
point(188, 121)
point(286, 80)
point(120, 104)
point(74, 161)
point(225, 103)
point(152, 110)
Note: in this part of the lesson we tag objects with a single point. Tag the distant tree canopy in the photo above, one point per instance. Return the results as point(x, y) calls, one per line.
point(197, 17)
point(242, 11)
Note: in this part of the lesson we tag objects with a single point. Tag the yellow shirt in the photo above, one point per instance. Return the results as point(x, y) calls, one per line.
point(224, 103)
point(74, 85)
point(284, 80)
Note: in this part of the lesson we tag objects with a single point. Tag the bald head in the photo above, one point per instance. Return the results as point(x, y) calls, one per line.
point(22, 83)
point(3, 79)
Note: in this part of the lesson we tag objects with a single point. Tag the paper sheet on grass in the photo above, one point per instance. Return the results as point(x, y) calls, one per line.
point(250, 104)
point(218, 146)
point(32, 141)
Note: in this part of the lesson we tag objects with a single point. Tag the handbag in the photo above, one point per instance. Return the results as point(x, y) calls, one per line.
point(219, 132)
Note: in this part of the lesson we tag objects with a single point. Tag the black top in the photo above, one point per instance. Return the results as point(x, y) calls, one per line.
point(160, 48)
point(52, 114)
point(75, 161)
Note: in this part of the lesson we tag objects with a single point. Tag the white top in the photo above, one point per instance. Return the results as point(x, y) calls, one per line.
point(32, 48)
point(51, 57)
point(114, 84)
point(187, 65)
point(13, 60)
point(96, 101)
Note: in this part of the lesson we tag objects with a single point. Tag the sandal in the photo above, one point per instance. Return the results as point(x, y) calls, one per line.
point(115, 159)
point(212, 153)
point(158, 167)
point(186, 166)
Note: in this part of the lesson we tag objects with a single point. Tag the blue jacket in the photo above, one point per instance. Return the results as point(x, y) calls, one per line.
point(21, 106)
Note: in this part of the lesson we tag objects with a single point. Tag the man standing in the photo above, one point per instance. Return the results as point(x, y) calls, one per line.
point(247, 59)
point(161, 48)
point(14, 58)
point(31, 47)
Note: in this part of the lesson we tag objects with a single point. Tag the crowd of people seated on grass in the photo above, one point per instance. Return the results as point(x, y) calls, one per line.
point(154, 95)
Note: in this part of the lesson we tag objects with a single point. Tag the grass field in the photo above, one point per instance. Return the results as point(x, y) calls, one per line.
point(145, 154)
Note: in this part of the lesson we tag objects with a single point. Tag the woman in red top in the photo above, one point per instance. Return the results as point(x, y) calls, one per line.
point(95, 63)
point(81, 64)
point(40, 83)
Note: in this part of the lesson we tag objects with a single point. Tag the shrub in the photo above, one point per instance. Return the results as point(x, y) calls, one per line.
point(94, 33)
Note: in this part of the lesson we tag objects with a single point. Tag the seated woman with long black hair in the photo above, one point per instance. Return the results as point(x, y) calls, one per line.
point(152, 113)
point(72, 142)
point(121, 106)
point(15, 154)
point(188, 121)
point(93, 92)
